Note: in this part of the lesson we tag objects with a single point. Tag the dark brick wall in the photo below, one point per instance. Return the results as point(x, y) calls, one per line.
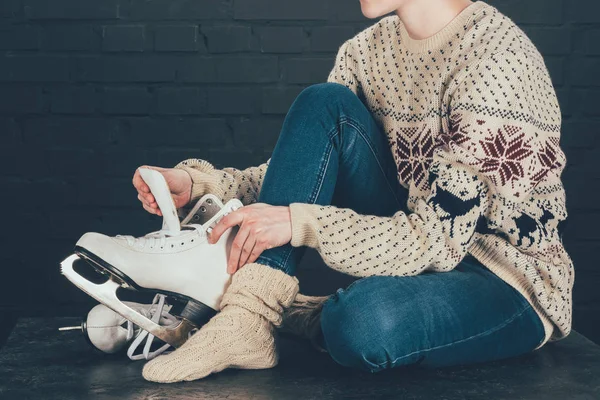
point(89, 90)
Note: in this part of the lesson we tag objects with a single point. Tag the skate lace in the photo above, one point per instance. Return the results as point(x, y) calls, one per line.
point(157, 314)
point(159, 238)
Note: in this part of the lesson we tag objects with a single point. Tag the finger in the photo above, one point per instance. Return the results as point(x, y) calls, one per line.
point(145, 201)
point(139, 183)
point(256, 251)
point(150, 210)
point(149, 198)
point(232, 219)
point(247, 253)
point(237, 247)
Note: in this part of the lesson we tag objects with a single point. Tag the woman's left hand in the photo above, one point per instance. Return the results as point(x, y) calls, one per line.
point(262, 227)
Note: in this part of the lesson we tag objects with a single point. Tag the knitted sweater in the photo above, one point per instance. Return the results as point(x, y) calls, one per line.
point(473, 122)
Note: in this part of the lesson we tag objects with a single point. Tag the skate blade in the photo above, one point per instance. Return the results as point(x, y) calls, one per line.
point(106, 293)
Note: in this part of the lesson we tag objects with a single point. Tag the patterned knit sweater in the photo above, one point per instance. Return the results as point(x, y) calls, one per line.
point(473, 122)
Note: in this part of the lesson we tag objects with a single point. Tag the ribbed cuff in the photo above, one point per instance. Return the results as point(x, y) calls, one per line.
point(304, 225)
point(202, 183)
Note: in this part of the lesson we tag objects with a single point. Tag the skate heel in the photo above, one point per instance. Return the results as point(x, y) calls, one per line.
point(197, 313)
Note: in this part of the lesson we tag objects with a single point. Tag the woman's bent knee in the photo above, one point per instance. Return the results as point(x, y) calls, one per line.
point(357, 330)
point(323, 95)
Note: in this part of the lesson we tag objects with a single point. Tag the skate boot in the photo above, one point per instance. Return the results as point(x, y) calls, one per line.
point(109, 332)
point(176, 261)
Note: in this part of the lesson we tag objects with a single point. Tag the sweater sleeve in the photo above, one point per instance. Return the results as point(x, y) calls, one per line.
point(490, 154)
point(226, 183)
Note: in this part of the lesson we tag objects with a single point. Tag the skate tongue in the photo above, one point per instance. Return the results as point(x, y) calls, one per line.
point(160, 189)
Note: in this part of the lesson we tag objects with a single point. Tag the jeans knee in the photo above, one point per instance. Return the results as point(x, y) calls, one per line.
point(321, 95)
point(355, 330)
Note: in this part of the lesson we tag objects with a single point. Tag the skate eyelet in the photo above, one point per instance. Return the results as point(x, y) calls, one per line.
point(209, 201)
point(196, 217)
point(203, 209)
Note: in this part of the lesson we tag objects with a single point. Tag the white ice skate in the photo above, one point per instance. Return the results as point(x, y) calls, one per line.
point(177, 261)
point(109, 332)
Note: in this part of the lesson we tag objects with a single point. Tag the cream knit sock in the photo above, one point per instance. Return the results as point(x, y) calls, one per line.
point(303, 318)
point(240, 335)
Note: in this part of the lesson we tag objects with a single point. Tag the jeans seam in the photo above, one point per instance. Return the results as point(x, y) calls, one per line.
point(324, 163)
point(315, 192)
point(494, 329)
point(358, 127)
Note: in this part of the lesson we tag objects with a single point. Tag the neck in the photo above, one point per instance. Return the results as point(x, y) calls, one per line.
point(420, 22)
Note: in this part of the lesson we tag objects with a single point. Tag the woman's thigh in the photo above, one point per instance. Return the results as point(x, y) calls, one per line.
point(332, 151)
point(467, 315)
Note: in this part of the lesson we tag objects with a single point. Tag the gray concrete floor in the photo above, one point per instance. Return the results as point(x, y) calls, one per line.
point(41, 363)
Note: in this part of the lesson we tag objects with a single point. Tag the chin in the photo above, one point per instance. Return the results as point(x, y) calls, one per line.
point(370, 10)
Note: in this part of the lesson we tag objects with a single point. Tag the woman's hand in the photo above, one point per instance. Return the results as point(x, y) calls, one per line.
point(179, 182)
point(262, 227)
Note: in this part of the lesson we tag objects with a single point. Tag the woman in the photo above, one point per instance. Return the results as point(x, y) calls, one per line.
point(428, 165)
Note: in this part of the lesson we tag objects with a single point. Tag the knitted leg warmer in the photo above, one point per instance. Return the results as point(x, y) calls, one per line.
point(240, 335)
point(303, 318)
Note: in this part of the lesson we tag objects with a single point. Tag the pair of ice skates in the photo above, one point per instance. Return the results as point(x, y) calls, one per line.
point(176, 262)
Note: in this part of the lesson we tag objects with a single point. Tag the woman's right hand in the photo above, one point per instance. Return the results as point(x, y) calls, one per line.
point(179, 182)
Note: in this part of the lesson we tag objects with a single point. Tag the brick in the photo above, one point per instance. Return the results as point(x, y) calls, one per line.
point(9, 8)
point(180, 100)
point(575, 185)
point(556, 68)
point(179, 9)
point(247, 69)
point(282, 40)
point(279, 10)
point(20, 38)
point(121, 68)
point(126, 101)
point(72, 131)
point(550, 40)
point(592, 42)
point(11, 163)
point(229, 39)
point(177, 38)
point(564, 102)
point(71, 162)
point(122, 162)
point(584, 290)
point(585, 12)
point(196, 69)
point(278, 100)
point(71, 9)
point(174, 132)
point(580, 133)
point(9, 131)
point(71, 38)
point(34, 68)
point(307, 70)
point(21, 100)
point(123, 38)
point(342, 10)
point(225, 100)
point(534, 11)
point(256, 132)
point(109, 191)
point(591, 104)
point(329, 38)
point(73, 100)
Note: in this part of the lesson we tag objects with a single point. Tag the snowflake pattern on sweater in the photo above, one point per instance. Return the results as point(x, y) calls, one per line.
point(473, 122)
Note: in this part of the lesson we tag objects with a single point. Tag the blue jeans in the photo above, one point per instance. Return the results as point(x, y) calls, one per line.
point(332, 151)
